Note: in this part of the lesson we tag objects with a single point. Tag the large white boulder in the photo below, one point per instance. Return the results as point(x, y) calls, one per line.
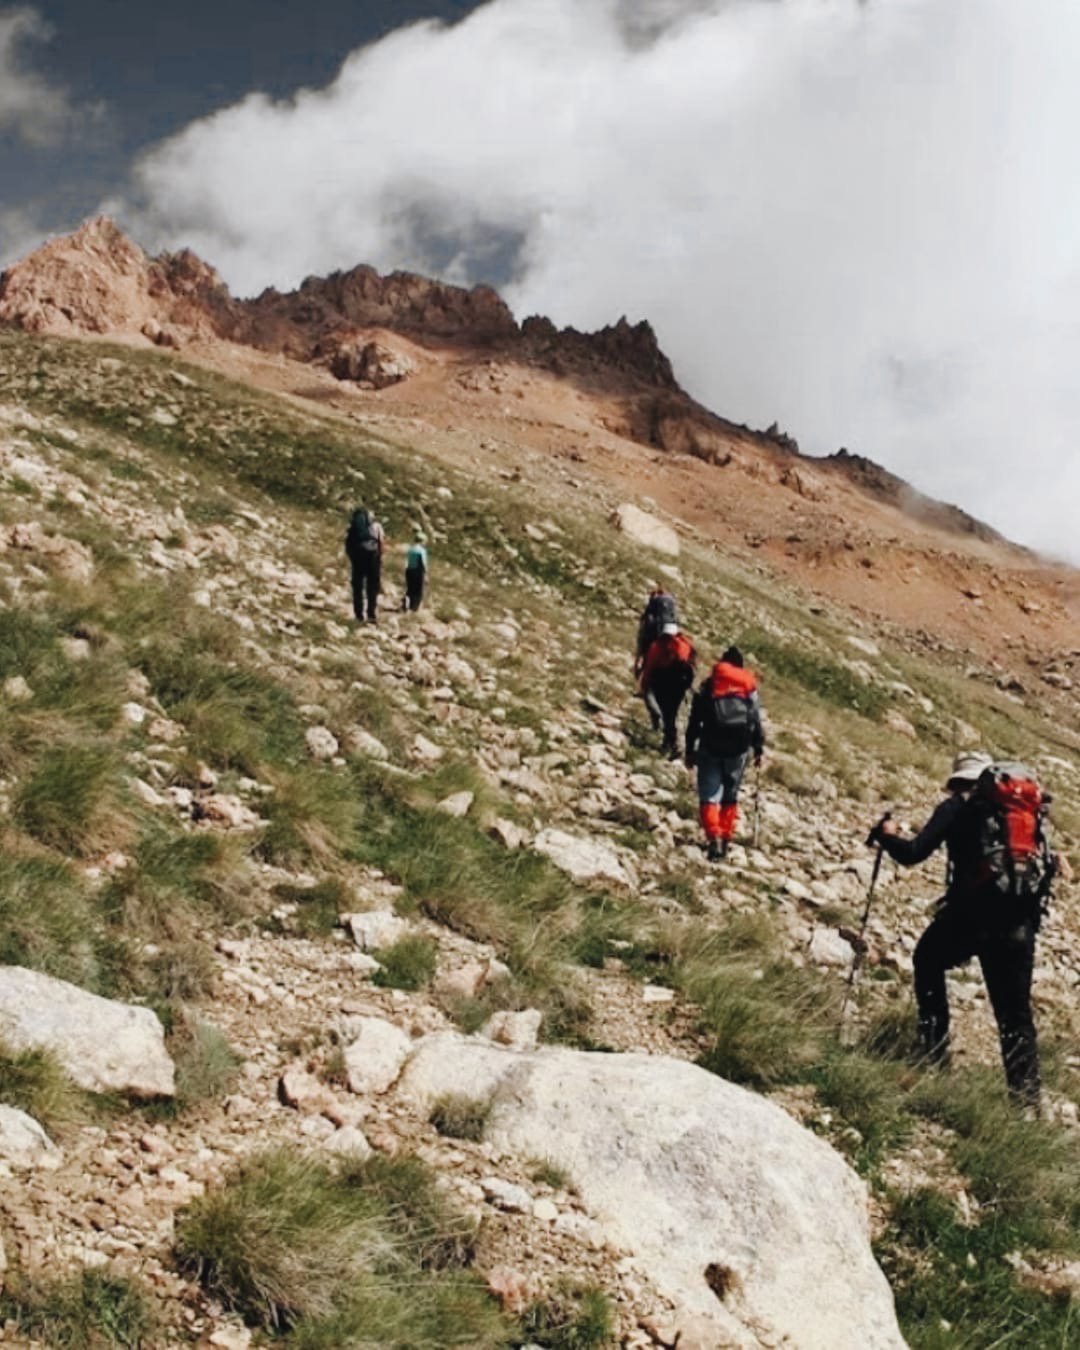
point(646, 529)
point(105, 1046)
point(755, 1229)
point(581, 857)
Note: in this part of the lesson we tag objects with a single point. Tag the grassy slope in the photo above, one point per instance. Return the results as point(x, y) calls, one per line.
point(125, 427)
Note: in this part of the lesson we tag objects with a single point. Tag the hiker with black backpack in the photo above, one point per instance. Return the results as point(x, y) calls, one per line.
point(665, 677)
point(992, 825)
point(660, 609)
point(365, 541)
point(724, 730)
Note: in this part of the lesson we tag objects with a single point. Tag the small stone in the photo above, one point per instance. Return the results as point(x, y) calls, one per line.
point(359, 741)
point(375, 1054)
point(458, 804)
point(545, 1210)
point(426, 750)
point(321, 743)
point(519, 1030)
point(506, 1195)
point(657, 993)
point(351, 1142)
point(508, 834)
point(375, 928)
point(16, 690)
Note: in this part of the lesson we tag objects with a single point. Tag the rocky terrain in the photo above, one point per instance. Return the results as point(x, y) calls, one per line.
point(427, 891)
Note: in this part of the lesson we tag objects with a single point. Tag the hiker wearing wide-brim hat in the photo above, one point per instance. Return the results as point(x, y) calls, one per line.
point(976, 917)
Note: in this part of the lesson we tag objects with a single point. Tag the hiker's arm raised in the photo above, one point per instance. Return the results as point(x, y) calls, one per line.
point(911, 852)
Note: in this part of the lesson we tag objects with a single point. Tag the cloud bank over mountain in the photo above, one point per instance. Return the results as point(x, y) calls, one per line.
point(859, 219)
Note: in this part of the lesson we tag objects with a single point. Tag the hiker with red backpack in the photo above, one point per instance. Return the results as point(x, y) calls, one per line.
point(992, 826)
point(667, 674)
point(364, 545)
point(724, 730)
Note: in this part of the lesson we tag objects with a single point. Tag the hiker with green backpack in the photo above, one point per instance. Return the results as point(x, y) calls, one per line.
point(992, 825)
point(365, 541)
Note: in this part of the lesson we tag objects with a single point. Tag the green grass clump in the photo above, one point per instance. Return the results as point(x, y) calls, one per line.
point(572, 1317)
point(1025, 1171)
point(90, 1311)
point(34, 1082)
point(458, 1116)
point(70, 801)
point(768, 1021)
point(825, 679)
point(408, 964)
point(956, 1285)
point(46, 919)
point(318, 907)
point(206, 1064)
point(340, 1255)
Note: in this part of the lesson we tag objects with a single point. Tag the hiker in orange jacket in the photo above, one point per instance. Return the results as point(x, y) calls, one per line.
point(724, 730)
point(668, 672)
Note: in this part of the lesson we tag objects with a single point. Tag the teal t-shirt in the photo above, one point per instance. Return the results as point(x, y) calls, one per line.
point(416, 557)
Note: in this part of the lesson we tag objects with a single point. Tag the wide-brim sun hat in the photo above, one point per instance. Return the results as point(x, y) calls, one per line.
point(968, 767)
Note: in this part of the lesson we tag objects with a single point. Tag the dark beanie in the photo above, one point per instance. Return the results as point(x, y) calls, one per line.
point(732, 656)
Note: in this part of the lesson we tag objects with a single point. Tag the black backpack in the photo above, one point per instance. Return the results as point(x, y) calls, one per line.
point(659, 610)
point(360, 539)
point(726, 723)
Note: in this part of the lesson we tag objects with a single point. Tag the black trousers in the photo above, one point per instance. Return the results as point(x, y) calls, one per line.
point(366, 585)
point(1001, 933)
point(663, 698)
point(414, 586)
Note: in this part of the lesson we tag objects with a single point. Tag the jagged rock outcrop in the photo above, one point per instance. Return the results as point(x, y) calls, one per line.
point(97, 281)
point(753, 1227)
point(105, 1046)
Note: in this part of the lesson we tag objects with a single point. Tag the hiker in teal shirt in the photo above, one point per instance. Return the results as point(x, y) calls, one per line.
point(416, 565)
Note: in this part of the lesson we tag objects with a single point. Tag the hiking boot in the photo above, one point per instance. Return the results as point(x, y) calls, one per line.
point(717, 850)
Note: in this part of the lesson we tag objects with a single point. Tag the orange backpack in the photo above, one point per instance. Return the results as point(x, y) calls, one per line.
point(1016, 858)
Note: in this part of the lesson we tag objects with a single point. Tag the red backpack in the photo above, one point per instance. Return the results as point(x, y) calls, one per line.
point(1016, 858)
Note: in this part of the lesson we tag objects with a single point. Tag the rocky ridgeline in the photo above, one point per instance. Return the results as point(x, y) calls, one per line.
point(710, 1215)
point(98, 281)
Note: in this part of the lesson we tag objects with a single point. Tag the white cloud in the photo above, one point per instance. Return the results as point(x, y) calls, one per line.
point(859, 219)
point(32, 108)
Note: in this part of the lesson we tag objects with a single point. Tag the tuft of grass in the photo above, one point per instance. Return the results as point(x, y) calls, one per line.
point(768, 1021)
point(955, 1282)
point(548, 1173)
point(45, 919)
point(70, 799)
point(1024, 1171)
point(869, 1094)
point(573, 1316)
point(408, 964)
point(340, 1254)
point(318, 907)
point(458, 1116)
point(312, 817)
point(89, 1311)
point(34, 1082)
point(206, 1064)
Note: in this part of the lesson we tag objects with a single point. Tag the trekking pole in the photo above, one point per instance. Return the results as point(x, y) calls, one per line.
point(860, 942)
point(757, 803)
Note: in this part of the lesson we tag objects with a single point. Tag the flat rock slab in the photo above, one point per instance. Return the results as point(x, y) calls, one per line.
point(646, 529)
point(751, 1225)
point(103, 1045)
point(582, 858)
